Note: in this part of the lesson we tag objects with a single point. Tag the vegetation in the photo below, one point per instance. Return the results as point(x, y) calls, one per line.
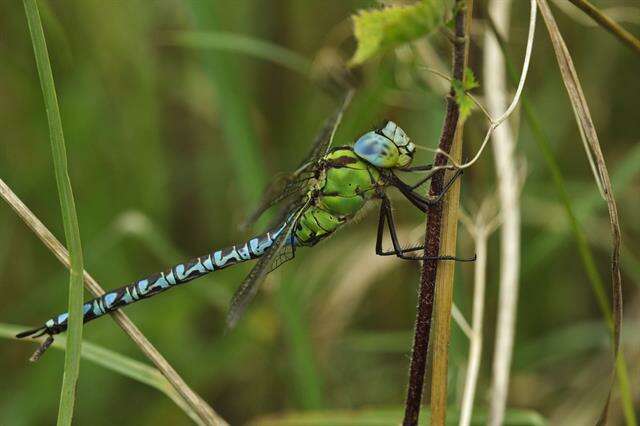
point(175, 115)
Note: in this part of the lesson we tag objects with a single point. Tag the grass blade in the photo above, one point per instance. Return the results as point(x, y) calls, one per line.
point(239, 43)
point(608, 24)
point(590, 138)
point(389, 416)
point(579, 234)
point(205, 412)
point(118, 363)
point(69, 216)
point(235, 112)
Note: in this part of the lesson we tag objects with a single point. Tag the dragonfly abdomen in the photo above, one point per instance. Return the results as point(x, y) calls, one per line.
point(162, 281)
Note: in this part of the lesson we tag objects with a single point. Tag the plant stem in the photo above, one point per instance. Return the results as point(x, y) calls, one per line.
point(509, 192)
point(480, 237)
point(608, 24)
point(434, 226)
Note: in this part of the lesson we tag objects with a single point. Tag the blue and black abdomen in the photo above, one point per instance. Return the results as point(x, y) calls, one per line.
point(159, 282)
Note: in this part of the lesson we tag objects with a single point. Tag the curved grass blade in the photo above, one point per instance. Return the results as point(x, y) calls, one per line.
point(205, 412)
point(240, 43)
point(69, 216)
point(251, 283)
point(590, 139)
point(117, 363)
point(572, 214)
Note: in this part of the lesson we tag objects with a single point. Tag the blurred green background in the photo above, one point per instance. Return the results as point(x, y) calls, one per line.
point(169, 146)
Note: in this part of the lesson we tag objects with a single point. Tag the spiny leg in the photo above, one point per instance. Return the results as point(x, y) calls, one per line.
point(422, 181)
point(417, 169)
point(420, 168)
point(421, 202)
point(436, 199)
point(386, 215)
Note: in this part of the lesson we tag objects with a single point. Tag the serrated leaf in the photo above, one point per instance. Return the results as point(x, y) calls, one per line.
point(470, 81)
point(383, 29)
point(460, 89)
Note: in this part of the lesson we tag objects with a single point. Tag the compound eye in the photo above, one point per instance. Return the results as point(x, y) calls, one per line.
point(377, 150)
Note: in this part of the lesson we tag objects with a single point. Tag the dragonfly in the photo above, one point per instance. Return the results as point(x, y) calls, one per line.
point(329, 189)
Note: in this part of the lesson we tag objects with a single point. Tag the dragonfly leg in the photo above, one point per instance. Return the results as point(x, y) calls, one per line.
point(420, 168)
point(417, 169)
point(386, 215)
point(436, 199)
point(421, 202)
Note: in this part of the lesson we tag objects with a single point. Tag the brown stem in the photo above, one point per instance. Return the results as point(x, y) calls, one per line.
point(432, 237)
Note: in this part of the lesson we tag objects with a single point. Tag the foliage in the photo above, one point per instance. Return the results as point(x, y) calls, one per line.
point(158, 179)
point(69, 216)
point(461, 88)
point(383, 29)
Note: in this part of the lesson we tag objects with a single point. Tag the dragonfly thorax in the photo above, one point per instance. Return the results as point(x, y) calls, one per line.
point(345, 184)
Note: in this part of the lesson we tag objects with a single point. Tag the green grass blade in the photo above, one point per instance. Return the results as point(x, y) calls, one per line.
point(117, 363)
point(383, 417)
point(305, 378)
point(239, 43)
point(238, 127)
point(69, 217)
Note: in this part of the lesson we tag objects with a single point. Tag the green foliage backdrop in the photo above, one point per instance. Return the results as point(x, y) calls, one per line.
point(170, 139)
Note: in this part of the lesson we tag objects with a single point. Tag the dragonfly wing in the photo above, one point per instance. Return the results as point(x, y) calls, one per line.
point(296, 183)
point(276, 255)
point(324, 138)
point(287, 253)
point(283, 187)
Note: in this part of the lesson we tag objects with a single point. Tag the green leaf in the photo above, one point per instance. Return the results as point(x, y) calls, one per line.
point(470, 81)
point(464, 102)
point(383, 29)
point(460, 89)
point(69, 216)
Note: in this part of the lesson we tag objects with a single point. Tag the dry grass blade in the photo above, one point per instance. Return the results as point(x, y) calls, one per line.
point(587, 128)
point(608, 24)
point(206, 413)
point(480, 229)
point(504, 147)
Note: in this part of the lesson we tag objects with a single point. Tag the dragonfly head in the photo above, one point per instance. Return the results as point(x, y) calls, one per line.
point(388, 147)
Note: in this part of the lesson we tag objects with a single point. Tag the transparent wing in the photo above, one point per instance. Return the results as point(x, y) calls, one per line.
point(276, 255)
point(292, 186)
point(289, 185)
point(287, 253)
point(324, 139)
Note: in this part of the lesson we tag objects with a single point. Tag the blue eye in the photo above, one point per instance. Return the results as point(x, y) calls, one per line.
point(377, 150)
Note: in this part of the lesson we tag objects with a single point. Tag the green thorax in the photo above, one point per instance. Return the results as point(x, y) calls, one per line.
point(344, 185)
